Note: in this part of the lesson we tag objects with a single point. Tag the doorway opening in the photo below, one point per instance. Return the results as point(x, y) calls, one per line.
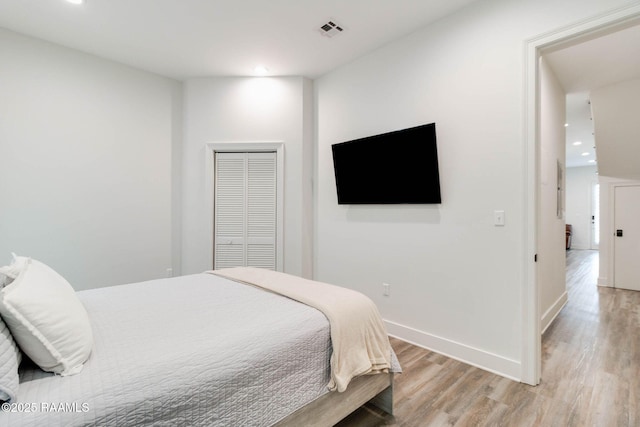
point(595, 215)
point(535, 48)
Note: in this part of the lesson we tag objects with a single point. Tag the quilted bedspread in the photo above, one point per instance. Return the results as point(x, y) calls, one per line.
point(198, 350)
point(358, 336)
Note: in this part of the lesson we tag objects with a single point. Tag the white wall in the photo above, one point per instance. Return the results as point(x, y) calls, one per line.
point(580, 182)
point(456, 279)
point(237, 109)
point(615, 122)
point(551, 265)
point(86, 148)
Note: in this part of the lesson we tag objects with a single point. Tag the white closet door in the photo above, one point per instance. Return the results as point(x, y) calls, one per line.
point(245, 210)
point(261, 210)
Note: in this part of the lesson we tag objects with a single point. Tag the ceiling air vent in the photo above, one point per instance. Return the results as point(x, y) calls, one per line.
point(331, 29)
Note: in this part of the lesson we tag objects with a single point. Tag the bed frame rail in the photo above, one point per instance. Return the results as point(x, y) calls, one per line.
point(332, 407)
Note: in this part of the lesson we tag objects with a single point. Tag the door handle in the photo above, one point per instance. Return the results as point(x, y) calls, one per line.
point(619, 233)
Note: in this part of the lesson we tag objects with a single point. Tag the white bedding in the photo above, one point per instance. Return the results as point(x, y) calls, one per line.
point(198, 350)
point(358, 336)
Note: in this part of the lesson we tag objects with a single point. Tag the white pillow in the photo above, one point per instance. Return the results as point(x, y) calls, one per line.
point(10, 357)
point(47, 319)
point(8, 273)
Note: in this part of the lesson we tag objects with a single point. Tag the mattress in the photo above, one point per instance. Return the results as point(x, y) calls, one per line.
point(198, 350)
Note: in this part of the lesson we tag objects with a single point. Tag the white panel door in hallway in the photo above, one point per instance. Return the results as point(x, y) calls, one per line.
point(627, 237)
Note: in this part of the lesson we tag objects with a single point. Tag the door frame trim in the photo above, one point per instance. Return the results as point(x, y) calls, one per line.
point(531, 355)
point(211, 148)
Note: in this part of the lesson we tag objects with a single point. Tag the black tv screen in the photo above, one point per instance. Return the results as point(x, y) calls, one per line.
point(390, 168)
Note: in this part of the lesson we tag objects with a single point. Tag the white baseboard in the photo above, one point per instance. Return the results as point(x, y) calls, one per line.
point(603, 281)
point(493, 363)
point(553, 311)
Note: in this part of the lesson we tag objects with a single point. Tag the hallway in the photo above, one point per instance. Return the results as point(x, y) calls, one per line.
point(591, 353)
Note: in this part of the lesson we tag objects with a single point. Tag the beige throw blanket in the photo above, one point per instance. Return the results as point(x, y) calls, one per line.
point(358, 336)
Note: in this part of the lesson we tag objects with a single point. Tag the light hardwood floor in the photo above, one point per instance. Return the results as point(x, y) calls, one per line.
point(590, 370)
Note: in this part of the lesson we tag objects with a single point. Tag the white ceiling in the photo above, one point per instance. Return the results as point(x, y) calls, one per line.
point(195, 38)
point(605, 59)
point(579, 130)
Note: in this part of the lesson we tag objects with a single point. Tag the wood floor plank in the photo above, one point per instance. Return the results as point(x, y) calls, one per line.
point(483, 411)
point(590, 370)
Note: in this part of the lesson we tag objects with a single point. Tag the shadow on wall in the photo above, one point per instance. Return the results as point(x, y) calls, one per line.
point(427, 214)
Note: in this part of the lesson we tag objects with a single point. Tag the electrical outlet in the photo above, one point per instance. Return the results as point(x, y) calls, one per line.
point(386, 289)
point(169, 272)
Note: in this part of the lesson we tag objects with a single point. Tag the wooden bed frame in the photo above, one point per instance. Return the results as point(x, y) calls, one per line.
point(332, 407)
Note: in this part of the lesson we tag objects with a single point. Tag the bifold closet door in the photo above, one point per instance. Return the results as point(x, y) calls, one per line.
point(245, 210)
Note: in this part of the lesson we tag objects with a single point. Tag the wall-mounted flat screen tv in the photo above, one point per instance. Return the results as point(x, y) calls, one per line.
point(391, 168)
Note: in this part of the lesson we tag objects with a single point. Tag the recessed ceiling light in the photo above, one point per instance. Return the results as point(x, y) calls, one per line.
point(566, 125)
point(585, 154)
point(75, 1)
point(592, 161)
point(577, 143)
point(260, 70)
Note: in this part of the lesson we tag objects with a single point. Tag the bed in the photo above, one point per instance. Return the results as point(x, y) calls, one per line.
point(198, 350)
